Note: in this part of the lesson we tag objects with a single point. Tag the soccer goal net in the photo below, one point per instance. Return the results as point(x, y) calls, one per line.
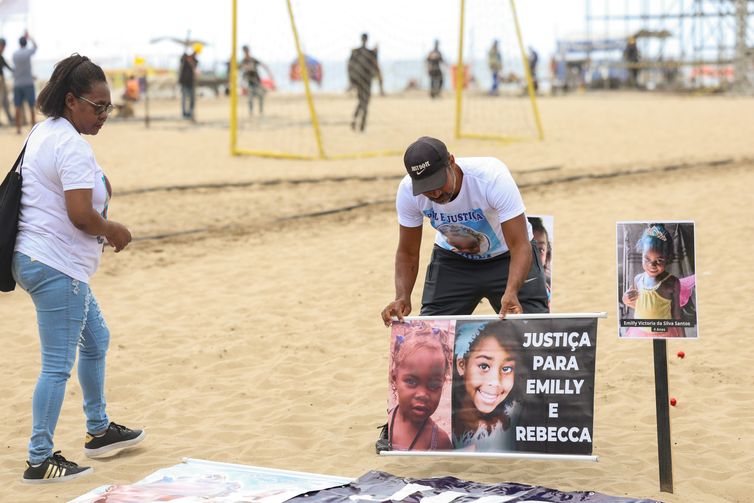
point(338, 78)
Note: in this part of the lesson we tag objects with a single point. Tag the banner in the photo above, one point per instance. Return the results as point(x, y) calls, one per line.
point(380, 486)
point(656, 280)
point(479, 384)
point(198, 480)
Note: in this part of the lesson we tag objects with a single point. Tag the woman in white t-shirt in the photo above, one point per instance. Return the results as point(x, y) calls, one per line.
point(62, 231)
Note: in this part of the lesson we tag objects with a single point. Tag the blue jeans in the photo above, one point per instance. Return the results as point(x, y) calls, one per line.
point(69, 319)
point(188, 98)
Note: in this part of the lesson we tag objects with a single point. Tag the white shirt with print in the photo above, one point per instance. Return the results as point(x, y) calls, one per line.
point(57, 159)
point(470, 224)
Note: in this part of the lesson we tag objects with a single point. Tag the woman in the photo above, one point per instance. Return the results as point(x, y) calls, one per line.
point(61, 234)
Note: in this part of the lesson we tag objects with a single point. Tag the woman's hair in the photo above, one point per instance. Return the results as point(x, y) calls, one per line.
point(75, 74)
point(465, 419)
point(415, 335)
point(657, 239)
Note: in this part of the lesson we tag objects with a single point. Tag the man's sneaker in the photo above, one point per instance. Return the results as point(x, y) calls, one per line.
point(115, 438)
point(54, 469)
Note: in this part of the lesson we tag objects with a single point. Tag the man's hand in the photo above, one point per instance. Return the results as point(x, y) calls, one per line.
point(509, 305)
point(398, 308)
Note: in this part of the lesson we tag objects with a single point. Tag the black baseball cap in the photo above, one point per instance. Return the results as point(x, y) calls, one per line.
point(425, 161)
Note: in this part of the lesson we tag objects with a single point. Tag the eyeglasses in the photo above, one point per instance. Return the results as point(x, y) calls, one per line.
point(655, 262)
point(99, 109)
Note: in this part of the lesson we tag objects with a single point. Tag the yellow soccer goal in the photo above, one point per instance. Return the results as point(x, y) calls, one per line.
point(330, 79)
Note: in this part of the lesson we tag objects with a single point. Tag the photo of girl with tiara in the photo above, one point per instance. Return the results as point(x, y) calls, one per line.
point(656, 280)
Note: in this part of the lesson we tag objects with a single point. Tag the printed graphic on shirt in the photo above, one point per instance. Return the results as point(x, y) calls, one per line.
point(100, 239)
point(467, 233)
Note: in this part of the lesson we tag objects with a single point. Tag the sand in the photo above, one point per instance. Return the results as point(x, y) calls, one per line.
point(251, 333)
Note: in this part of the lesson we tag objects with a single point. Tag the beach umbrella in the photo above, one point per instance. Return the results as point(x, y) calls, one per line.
point(313, 68)
point(185, 42)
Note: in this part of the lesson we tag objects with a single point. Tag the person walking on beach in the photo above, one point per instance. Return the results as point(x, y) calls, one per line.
point(631, 56)
point(250, 70)
point(435, 64)
point(362, 68)
point(62, 230)
point(3, 86)
point(497, 259)
point(533, 58)
point(495, 64)
point(187, 80)
point(23, 80)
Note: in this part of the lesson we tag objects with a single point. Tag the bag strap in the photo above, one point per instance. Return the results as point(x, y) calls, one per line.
point(18, 163)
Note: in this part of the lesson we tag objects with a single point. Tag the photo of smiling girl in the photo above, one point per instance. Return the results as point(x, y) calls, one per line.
point(486, 380)
point(420, 359)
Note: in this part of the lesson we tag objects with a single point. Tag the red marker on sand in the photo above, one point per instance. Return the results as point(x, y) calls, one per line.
point(681, 355)
point(673, 401)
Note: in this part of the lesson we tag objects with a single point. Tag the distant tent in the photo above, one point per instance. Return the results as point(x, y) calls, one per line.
point(313, 68)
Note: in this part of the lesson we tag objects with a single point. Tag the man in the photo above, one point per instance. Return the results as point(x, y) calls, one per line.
point(362, 68)
point(250, 70)
point(23, 80)
point(3, 86)
point(187, 80)
point(533, 60)
point(495, 63)
point(483, 246)
point(435, 63)
point(631, 56)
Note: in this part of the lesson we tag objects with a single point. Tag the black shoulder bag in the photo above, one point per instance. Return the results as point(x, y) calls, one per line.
point(10, 206)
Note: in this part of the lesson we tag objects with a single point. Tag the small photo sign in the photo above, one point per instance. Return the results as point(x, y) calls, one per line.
point(656, 280)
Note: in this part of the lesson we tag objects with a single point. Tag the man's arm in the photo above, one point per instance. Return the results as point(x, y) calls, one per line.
point(4, 64)
point(517, 238)
point(267, 69)
point(406, 270)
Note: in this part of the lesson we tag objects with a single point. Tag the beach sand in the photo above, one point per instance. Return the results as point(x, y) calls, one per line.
point(250, 332)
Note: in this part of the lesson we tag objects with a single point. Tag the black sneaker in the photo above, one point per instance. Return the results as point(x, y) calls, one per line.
point(115, 438)
point(54, 469)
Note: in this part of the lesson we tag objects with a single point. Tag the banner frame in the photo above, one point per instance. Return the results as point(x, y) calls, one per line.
point(531, 316)
point(499, 455)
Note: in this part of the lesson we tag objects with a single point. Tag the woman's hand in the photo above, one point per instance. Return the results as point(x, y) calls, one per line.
point(117, 235)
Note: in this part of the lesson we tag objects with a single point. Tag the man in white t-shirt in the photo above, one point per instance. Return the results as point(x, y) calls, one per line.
point(483, 245)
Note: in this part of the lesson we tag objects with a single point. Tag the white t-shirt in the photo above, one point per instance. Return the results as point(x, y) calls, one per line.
point(469, 225)
point(57, 159)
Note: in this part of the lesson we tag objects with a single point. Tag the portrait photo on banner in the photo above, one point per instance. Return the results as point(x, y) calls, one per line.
point(656, 266)
point(492, 386)
point(543, 228)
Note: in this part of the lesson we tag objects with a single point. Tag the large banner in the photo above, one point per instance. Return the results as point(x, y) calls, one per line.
point(197, 480)
point(384, 487)
point(485, 385)
point(656, 280)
